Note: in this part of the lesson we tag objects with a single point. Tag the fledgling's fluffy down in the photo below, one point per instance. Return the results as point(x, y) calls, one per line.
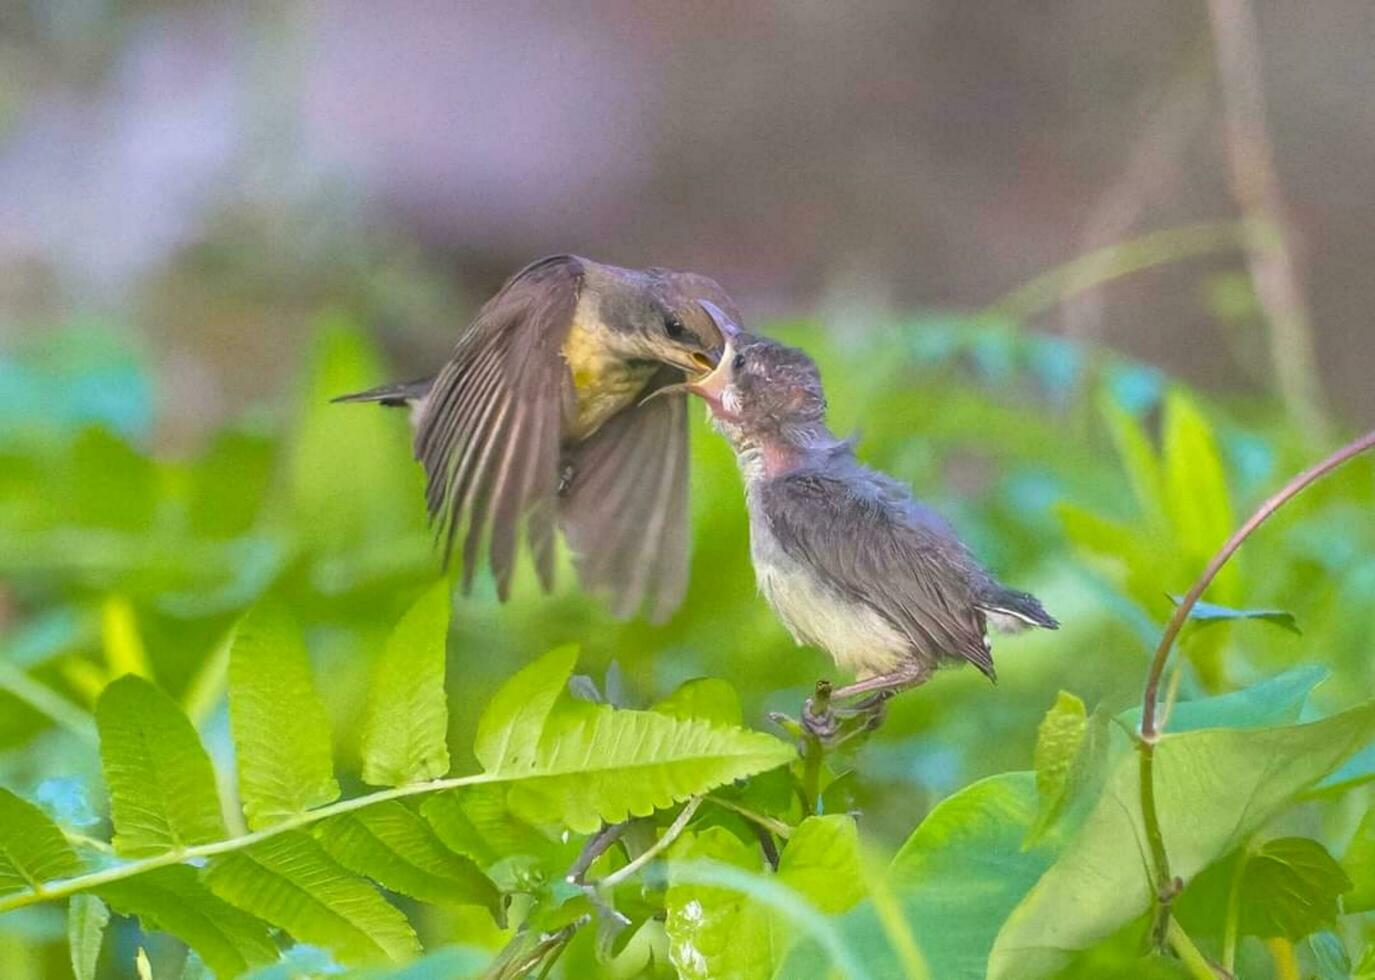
point(849, 561)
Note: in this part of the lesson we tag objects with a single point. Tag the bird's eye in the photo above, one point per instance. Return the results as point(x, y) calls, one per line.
point(674, 327)
point(738, 363)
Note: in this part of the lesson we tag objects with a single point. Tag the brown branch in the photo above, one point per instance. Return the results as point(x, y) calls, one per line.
point(1256, 189)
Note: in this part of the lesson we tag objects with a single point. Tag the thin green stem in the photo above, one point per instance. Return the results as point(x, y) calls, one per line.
point(1189, 954)
point(70, 886)
point(674, 831)
point(776, 827)
point(1121, 259)
point(46, 701)
point(1155, 839)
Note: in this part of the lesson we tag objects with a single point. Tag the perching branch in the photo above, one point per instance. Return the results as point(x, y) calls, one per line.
point(1166, 886)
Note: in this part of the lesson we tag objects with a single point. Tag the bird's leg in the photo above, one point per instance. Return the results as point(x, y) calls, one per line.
point(869, 699)
point(817, 717)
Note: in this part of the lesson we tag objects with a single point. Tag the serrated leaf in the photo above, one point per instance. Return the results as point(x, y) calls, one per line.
point(716, 932)
point(87, 918)
point(32, 848)
point(396, 848)
point(821, 863)
point(291, 882)
point(1058, 739)
point(174, 900)
point(406, 727)
point(280, 730)
point(708, 698)
point(1290, 887)
point(1213, 789)
point(161, 783)
point(1204, 613)
point(601, 764)
point(509, 731)
point(477, 822)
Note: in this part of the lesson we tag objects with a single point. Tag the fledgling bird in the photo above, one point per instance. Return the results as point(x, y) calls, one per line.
point(537, 420)
point(849, 561)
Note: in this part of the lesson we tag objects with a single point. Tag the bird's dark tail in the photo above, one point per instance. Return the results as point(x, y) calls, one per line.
point(1010, 610)
point(392, 395)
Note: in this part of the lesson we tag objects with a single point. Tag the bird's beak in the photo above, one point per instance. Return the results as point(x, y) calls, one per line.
point(725, 326)
point(710, 386)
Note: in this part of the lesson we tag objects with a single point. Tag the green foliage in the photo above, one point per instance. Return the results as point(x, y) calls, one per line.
point(162, 787)
point(87, 917)
point(396, 847)
point(1098, 484)
point(281, 734)
point(407, 722)
point(290, 881)
point(34, 850)
point(1290, 887)
point(175, 900)
point(586, 764)
point(1057, 746)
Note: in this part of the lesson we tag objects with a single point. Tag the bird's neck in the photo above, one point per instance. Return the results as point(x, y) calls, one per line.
point(788, 449)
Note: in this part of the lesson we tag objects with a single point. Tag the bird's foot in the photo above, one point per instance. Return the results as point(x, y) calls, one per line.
point(818, 717)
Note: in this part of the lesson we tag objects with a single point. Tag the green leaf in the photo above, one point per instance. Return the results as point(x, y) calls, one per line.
point(1359, 864)
point(476, 821)
point(598, 764)
point(1213, 787)
point(1058, 738)
point(1204, 613)
point(162, 786)
point(1275, 701)
point(397, 849)
point(450, 963)
point(1290, 887)
point(1330, 955)
point(712, 931)
point(281, 733)
point(32, 848)
point(580, 763)
point(291, 882)
point(1138, 459)
point(407, 722)
point(1196, 495)
point(821, 862)
point(708, 698)
point(87, 918)
point(174, 900)
point(509, 731)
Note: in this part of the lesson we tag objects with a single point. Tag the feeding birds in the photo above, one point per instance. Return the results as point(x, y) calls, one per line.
point(538, 420)
point(848, 560)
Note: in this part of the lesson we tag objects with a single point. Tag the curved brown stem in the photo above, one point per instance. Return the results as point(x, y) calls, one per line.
point(1166, 886)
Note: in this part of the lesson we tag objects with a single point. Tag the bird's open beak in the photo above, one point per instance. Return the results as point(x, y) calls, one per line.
point(709, 386)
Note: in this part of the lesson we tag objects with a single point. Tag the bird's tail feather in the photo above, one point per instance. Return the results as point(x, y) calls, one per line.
point(1010, 611)
point(392, 395)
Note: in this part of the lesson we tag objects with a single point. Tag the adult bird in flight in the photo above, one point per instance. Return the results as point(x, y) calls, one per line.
point(536, 421)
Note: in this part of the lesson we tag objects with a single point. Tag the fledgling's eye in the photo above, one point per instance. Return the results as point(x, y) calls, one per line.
point(674, 327)
point(738, 363)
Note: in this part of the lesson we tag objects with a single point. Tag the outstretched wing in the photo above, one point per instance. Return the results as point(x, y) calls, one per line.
point(917, 576)
point(625, 513)
point(490, 431)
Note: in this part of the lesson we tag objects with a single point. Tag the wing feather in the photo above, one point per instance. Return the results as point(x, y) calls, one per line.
point(625, 515)
point(490, 430)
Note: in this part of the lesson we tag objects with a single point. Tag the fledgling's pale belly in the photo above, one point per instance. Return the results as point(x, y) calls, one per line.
point(856, 637)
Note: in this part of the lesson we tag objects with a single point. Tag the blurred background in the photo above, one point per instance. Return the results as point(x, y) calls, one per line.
point(1094, 278)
